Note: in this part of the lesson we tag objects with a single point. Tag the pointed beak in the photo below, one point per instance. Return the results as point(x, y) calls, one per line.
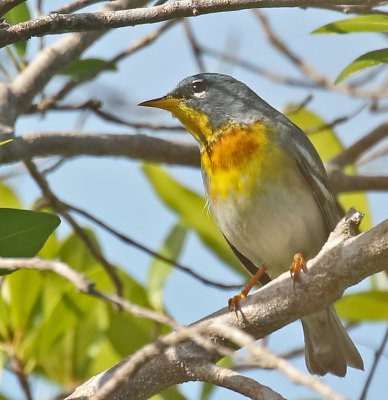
point(167, 102)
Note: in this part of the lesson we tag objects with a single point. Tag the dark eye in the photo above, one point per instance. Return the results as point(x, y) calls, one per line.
point(198, 86)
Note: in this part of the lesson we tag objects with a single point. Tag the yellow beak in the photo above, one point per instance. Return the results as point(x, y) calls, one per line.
point(166, 103)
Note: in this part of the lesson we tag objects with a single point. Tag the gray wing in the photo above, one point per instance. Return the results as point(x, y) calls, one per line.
point(313, 172)
point(248, 264)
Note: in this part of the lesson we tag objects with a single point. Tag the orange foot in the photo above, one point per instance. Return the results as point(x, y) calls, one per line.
point(298, 265)
point(234, 301)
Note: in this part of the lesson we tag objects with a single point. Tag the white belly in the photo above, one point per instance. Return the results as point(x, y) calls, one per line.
point(274, 226)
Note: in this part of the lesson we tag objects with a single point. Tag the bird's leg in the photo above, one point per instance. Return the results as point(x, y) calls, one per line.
point(234, 301)
point(299, 264)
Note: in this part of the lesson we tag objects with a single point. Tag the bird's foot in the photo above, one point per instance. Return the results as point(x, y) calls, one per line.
point(298, 265)
point(234, 302)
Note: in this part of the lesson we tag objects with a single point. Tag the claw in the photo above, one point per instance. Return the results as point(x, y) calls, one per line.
point(298, 265)
point(234, 302)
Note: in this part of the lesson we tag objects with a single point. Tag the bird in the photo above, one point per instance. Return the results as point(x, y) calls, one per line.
point(268, 191)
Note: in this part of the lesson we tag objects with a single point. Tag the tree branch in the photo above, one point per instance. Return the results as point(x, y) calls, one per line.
point(61, 209)
point(224, 377)
point(16, 97)
point(344, 261)
point(83, 285)
point(341, 182)
point(354, 151)
point(73, 144)
point(60, 23)
point(146, 148)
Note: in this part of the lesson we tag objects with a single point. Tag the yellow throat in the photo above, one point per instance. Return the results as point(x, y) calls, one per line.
point(237, 159)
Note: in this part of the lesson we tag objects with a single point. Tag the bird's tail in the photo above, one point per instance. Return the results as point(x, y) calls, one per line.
point(328, 345)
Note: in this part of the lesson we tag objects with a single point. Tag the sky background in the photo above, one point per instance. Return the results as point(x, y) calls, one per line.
point(116, 190)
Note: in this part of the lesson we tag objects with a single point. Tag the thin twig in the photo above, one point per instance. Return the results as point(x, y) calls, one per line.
point(75, 6)
point(307, 69)
point(17, 367)
point(376, 360)
point(138, 45)
point(83, 285)
point(95, 107)
point(354, 151)
point(58, 207)
point(381, 152)
point(195, 48)
point(145, 249)
point(337, 121)
point(269, 74)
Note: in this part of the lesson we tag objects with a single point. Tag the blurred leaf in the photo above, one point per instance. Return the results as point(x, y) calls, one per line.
point(82, 69)
point(23, 232)
point(24, 288)
point(365, 61)
point(2, 362)
point(172, 393)
point(328, 146)
point(19, 14)
point(364, 23)
point(207, 389)
point(126, 332)
point(192, 211)
point(7, 197)
point(51, 247)
point(74, 252)
point(160, 270)
point(364, 306)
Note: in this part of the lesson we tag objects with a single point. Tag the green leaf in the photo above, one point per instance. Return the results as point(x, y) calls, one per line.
point(365, 61)
point(87, 67)
point(74, 252)
point(24, 288)
point(3, 397)
point(364, 306)
point(19, 14)
point(8, 199)
point(365, 23)
point(172, 393)
point(191, 208)
point(23, 232)
point(160, 270)
point(328, 146)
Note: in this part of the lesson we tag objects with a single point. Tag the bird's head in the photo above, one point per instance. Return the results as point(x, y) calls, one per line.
point(205, 103)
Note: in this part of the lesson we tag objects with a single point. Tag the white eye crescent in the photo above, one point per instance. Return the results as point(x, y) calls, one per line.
point(198, 87)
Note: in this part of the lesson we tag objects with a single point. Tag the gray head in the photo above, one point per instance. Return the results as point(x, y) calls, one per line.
point(215, 97)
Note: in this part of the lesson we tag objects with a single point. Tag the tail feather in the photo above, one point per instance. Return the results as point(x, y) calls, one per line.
point(328, 345)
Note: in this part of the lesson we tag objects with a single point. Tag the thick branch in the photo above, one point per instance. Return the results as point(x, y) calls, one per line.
point(147, 148)
point(343, 261)
point(59, 23)
point(341, 182)
point(72, 144)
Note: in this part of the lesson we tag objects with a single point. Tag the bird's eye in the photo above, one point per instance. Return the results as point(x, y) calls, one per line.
point(198, 86)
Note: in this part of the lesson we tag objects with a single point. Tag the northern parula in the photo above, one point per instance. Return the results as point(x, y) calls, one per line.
point(268, 192)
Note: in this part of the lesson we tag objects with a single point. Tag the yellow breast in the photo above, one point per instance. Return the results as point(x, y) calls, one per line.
point(240, 161)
